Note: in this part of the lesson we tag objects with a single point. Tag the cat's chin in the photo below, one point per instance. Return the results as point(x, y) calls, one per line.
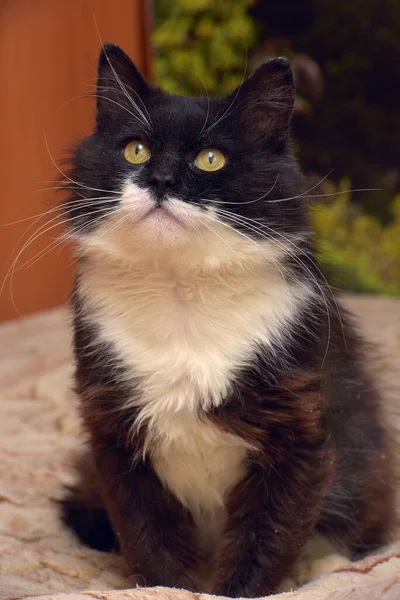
point(132, 237)
point(160, 229)
point(160, 221)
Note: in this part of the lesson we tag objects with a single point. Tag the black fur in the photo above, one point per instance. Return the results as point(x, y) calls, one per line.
point(309, 409)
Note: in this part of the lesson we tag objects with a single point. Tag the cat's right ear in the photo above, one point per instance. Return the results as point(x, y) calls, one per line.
point(120, 85)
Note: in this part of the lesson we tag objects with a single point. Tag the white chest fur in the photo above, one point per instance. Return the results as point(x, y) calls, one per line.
point(183, 337)
point(199, 463)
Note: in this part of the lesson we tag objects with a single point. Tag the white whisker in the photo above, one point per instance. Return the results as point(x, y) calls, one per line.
point(58, 209)
point(280, 199)
point(250, 201)
point(77, 186)
point(107, 88)
point(260, 232)
point(64, 237)
point(263, 251)
point(80, 185)
point(208, 108)
point(117, 103)
point(142, 117)
point(73, 203)
point(227, 111)
point(43, 229)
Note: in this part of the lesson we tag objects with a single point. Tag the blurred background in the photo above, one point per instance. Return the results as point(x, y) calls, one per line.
point(345, 57)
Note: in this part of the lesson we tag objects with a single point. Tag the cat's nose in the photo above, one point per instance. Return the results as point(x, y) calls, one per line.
point(162, 183)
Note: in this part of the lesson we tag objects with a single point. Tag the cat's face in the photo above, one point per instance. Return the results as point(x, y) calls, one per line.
point(164, 171)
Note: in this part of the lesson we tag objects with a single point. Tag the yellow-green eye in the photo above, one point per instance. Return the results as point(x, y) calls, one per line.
point(137, 152)
point(210, 159)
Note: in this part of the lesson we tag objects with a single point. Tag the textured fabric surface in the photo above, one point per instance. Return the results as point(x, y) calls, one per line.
point(40, 437)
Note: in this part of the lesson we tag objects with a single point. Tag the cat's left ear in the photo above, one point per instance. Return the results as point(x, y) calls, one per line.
point(265, 101)
point(120, 85)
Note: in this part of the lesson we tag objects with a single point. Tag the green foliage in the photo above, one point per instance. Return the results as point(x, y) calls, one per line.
point(357, 252)
point(201, 45)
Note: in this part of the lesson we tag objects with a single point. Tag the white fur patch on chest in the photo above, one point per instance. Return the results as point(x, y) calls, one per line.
point(185, 340)
point(182, 335)
point(200, 464)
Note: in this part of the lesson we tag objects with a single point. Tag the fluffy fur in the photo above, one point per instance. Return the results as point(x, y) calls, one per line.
point(222, 386)
point(182, 328)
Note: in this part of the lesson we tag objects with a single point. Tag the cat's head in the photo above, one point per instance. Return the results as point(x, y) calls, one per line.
point(162, 172)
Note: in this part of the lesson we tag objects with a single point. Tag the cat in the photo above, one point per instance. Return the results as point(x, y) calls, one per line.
point(224, 390)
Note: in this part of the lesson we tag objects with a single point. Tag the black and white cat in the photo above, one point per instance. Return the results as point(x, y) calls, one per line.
point(221, 385)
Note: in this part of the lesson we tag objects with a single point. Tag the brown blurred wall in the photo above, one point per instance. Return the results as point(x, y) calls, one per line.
point(48, 54)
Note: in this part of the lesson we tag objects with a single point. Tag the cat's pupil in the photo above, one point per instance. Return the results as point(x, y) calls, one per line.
point(138, 148)
point(210, 157)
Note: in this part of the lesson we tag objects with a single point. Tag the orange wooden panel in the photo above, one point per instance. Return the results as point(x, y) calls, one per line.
point(48, 55)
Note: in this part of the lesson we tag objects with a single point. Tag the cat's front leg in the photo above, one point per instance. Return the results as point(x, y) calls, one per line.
point(155, 532)
point(269, 522)
point(272, 512)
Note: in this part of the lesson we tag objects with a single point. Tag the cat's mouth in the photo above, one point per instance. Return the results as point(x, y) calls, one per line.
point(161, 213)
point(161, 217)
point(173, 215)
